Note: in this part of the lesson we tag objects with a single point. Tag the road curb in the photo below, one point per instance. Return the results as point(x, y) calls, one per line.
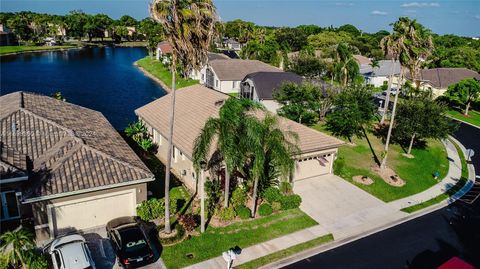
point(468, 123)
point(343, 241)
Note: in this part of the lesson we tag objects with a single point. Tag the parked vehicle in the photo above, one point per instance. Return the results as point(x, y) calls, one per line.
point(130, 242)
point(70, 252)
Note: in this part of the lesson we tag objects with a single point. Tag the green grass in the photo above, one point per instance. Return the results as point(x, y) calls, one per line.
point(418, 172)
point(449, 192)
point(286, 252)
point(158, 70)
point(19, 49)
point(472, 118)
point(242, 234)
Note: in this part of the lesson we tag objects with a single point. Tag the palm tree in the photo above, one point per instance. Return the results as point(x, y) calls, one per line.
point(15, 245)
point(272, 152)
point(226, 131)
point(412, 44)
point(189, 27)
point(345, 65)
point(390, 47)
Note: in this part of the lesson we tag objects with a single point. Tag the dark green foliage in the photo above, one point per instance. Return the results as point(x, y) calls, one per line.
point(300, 103)
point(290, 201)
point(189, 221)
point(151, 209)
point(213, 193)
point(239, 197)
point(139, 133)
point(272, 194)
point(243, 212)
point(307, 65)
point(291, 39)
point(285, 187)
point(464, 93)
point(265, 210)
point(354, 108)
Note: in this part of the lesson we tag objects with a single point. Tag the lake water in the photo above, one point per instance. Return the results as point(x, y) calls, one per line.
point(103, 79)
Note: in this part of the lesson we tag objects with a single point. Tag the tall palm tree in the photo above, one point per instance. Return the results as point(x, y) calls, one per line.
point(345, 65)
point(226, 131)
point(272, 152)
point(189, 27)
point(15, 245)
point(412, 44)
point(390, 47)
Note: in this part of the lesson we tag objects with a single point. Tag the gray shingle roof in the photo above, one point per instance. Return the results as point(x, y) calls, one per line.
point(194, 105)
point(236, 69)
point(384, 69)
point(72, 148)
point(441, 78)
point(267, 82)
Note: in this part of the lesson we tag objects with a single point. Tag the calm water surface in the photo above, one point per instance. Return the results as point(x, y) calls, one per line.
point(103, 79)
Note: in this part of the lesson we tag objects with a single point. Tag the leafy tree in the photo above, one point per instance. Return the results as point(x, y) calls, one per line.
point(353, 109)
point(127, 21)
point(153, 33)
point(75, 22)
point(348, 28)
point(345, 66)
point(464, 92)
point(136, 131)
point(291, 39)
point(189, 28)
point(300, 103)
point(20, 25)
point(328, 39)
point(307, 65)
point(421, 118)
point(15, 245)
point(267, 52)
point(310, 29)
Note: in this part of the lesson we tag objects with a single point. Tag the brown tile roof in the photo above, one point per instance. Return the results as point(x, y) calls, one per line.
point(165, 47)
point(72, 148)
point(441, 78)
point(195, 104)
point(237, 69)
point(362, 59)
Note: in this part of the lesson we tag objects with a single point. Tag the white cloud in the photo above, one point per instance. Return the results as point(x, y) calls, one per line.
point(421, 4)
point(379, 13)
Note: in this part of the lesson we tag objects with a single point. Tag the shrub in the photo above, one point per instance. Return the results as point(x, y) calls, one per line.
point(239, 197)
point(285, 187)
point(225, 214)
point(272, 194)
point(35, 260)
point(188, 221)
point(243, 212)
point(291, 201)
point(276, 206)
point(213, 192)
point(265, 210)
point(151, 209)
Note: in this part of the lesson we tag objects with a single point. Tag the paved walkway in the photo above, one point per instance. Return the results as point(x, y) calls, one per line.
point(344, 210)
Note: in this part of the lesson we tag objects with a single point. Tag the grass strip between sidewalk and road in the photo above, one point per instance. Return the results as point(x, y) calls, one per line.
point(449, 192)
point(243, 234)
point(472, 118)
point(22, 49)
point(286, 252)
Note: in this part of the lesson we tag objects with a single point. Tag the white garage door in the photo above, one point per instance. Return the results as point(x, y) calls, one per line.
point(311, 168)
point(92, 212)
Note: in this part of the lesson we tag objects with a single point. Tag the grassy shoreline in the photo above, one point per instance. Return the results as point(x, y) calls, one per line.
point(6, 50)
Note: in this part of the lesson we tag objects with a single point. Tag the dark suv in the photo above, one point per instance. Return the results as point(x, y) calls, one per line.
point(130, 242)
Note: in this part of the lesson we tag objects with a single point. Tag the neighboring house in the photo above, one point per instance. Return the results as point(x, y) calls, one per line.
point(64, 167)
point(7, 38)
point(362, 60)
point(379, 75)
point(163, 48)
point(194, 105)
point(226, 75)
point(232, 44)
point(438, 79)
point(260, 86)
point(50, 41)
point(211, 56)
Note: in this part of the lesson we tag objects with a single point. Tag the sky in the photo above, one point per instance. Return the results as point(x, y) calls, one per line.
point(458, 17)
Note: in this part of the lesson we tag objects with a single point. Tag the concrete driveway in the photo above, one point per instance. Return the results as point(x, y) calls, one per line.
point(340, 207)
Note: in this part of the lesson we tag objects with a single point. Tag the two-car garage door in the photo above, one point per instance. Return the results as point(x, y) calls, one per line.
point(91, 212)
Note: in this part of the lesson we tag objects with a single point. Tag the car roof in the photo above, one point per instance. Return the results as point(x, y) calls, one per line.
point(60, 241)
point(74, 255)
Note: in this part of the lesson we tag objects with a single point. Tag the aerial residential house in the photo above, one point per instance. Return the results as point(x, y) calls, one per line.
point(163, 48)
point(7, 38)
point(64, 167)
point(438, 79)
point(211, 56)
point(377, 76)
point(232, 44)
point(260, 87)
point(226, 75)
point(362, 60)
point(195, 105)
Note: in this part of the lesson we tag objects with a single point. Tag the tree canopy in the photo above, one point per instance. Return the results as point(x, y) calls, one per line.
point(464, 93)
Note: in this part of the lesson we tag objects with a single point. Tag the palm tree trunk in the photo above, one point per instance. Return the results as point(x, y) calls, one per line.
point(411, 144)
point(202, 201)
point(254, 202)
point(383, 165)
point(387, 97)
point(170, 148)
point(20, 257)
point(227, 186)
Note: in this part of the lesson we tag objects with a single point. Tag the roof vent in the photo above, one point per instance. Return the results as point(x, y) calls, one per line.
point(219, 103)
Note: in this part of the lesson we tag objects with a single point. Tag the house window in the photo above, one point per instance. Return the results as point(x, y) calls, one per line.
point(174, 155)
point(234, 84)
point(10, 208)
point(216, 83)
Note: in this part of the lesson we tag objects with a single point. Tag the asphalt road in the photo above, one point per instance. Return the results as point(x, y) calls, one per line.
point(425, 242)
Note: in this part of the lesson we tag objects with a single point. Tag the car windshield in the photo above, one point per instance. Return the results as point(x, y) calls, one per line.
point(133, 240)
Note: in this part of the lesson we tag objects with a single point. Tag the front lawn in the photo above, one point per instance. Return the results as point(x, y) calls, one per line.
point(158, 70)
point(20, 49)
point(358, 159)
point(242, 234)
point(472, 118)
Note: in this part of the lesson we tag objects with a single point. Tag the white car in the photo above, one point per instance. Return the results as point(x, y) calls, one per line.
point(71, 252)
